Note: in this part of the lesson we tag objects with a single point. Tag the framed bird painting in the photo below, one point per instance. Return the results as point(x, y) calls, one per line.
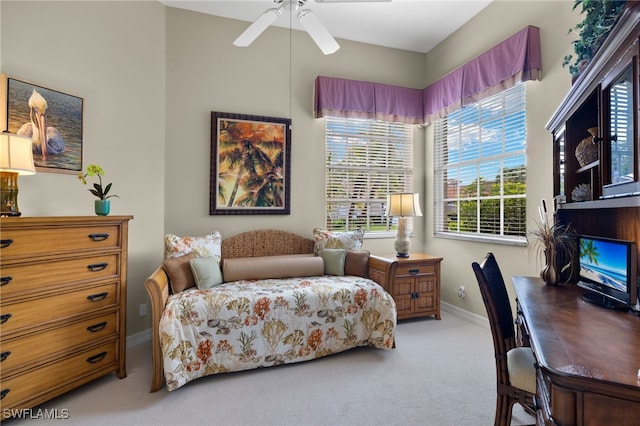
point(250, 164)
point(52, 119)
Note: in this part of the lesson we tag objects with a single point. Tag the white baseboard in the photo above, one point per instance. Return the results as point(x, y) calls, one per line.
point(465, 315)
point(140, 337)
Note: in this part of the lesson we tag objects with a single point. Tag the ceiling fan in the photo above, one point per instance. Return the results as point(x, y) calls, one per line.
point(307, 18)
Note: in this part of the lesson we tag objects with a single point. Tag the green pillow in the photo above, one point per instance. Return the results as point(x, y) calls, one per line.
point(206, 272)
point(333, 261)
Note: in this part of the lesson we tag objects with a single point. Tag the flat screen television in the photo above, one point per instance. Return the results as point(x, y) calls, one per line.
point(608, 271)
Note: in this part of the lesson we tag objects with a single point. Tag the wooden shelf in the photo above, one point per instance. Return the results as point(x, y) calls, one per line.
point(588, 167)
point(609, 203)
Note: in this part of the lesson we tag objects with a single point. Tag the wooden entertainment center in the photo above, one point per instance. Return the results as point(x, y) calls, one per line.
point(605, 97)
point(588, 357)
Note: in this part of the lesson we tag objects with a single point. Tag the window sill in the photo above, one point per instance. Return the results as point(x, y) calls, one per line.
point(514, 241)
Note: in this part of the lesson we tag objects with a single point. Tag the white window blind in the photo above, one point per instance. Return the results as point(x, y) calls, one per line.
point(480, 169)
point(365, 161)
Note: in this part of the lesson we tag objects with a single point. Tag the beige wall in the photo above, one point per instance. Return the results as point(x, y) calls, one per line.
point(113, 55)
point(495, 23)
point(151, 75)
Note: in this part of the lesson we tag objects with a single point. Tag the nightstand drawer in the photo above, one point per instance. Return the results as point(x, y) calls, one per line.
point(412, 270)
point(23, 278)
point(29, 313)
point(20, 352)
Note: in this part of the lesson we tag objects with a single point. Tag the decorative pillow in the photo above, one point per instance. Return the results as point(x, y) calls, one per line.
point(264, 267)
point(333, 261)
point(206, 272)
point(179, 271)
point(350, 240)
point(209, 245)
point(357, 263)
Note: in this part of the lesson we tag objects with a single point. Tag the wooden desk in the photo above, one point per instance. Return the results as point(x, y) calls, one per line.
point(588, 356)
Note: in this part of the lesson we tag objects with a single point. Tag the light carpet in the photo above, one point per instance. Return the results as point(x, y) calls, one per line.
point(441, 373)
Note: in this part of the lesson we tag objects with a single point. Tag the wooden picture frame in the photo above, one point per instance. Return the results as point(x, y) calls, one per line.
point(250, 165)
point(60, 114)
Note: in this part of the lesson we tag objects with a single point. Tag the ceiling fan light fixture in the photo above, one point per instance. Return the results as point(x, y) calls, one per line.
point(258, 27)
point(318, 32)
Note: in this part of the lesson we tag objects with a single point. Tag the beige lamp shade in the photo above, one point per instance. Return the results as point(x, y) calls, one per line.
point(16, 155)
point(403, 204)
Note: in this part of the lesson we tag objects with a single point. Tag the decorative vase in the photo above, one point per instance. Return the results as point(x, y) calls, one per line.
point(550, 274)
point(102, 207)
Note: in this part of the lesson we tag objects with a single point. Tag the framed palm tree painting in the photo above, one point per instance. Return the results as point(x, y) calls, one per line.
point(250, 164)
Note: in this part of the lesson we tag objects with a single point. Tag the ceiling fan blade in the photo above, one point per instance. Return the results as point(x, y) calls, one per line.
point(353, 1)
point(318, 32)
point(257, 27)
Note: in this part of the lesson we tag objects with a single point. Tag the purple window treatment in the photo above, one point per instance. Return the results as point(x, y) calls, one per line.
point(398, 104)
point(516, 59)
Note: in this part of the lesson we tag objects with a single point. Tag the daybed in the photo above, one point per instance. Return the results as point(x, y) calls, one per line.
point(251, 323)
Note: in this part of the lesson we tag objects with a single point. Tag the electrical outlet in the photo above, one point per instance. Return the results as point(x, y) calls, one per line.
point(143, 309)
point(461, 292)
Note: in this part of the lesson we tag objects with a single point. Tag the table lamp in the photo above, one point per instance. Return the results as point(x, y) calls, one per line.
point(16, 158)
point(402, 206)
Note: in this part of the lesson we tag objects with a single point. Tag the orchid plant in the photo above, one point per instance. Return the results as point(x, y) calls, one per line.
point(98, 190)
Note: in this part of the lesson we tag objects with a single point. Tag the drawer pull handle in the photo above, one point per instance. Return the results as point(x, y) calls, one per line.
point(4, 393)
point(4, 318)
point(98, 237)
point(97, 327)
point(5, 243)
point(97, 297)
point(4, 355)
point(96, 358)
point(97, 267)
point(5, 280)
point(414, 271)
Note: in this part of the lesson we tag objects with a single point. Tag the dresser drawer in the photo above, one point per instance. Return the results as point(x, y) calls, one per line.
point(20, 352)
point(22, 278)
point(53, 240)
point(415, 269)
point(37, 312)
point(30, 385)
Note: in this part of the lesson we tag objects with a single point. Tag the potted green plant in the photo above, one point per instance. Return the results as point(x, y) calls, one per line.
point(102, 204)
point(556, 245)
point(599, 19)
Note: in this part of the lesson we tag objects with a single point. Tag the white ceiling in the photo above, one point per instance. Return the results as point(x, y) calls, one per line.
point(414, 25)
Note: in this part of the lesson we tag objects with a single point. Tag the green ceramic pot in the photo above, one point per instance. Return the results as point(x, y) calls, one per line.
point(102, 207)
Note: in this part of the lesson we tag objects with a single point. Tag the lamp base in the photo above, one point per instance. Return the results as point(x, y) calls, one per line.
point(9, 194)
point(402, 243)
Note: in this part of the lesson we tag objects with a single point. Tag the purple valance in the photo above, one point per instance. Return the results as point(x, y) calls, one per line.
point(338, 97)
point(516, 59)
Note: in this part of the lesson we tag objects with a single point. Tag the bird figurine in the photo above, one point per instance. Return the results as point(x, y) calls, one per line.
point(47, 140)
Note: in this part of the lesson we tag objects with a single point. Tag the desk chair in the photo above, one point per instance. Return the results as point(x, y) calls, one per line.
point(515, 370)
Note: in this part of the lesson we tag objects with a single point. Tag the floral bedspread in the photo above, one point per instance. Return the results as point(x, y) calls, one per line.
point(249, 324)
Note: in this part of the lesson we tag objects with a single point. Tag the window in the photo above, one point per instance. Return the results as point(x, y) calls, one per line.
point(480, 170)
point(365, 161)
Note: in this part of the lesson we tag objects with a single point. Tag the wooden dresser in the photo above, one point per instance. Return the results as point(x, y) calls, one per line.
point(63, 293)
point(587, 356)
point(413, 282)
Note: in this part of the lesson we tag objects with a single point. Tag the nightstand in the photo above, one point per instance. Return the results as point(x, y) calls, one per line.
point(413, 282)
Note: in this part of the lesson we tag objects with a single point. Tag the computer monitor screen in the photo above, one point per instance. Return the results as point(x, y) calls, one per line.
point(608, 267)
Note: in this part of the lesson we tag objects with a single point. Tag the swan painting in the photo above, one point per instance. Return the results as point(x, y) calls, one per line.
point(52, 119)
point(47, 140)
